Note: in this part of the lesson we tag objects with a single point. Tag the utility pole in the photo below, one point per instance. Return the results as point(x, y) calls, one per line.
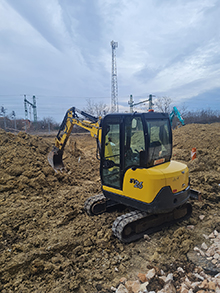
point(150, 102)
point(13, 116)
point(25, 108)
point(34, 109)
point(132, 104)
point(114, 86)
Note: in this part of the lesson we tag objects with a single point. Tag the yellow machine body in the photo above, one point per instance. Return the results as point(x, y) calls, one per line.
point(144, 184)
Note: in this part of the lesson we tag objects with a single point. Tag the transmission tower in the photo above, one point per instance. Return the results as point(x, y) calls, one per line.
point(114, 92)
point(3, 113)
point(34, 106)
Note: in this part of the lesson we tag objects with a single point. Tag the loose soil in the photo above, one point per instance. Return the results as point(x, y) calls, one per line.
point(49, 244)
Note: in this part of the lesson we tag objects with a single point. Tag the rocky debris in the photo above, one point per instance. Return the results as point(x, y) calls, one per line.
point(208, 253)
point(155, 281)
point(211, 253)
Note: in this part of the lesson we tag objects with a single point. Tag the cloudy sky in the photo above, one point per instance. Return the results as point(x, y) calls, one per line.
point(59, 51)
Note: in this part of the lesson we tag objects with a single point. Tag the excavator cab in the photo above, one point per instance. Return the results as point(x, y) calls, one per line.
point(136, 141)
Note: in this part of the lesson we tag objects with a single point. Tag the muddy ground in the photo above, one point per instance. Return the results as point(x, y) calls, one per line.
point(49, 244)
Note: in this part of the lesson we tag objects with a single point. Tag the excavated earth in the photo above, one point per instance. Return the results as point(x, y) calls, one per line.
point(49, 244)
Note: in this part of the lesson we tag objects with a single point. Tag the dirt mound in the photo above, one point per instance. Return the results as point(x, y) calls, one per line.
point(49, 244)
point(205, 169)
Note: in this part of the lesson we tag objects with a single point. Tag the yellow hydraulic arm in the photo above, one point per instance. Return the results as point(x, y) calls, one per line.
point(91, 123)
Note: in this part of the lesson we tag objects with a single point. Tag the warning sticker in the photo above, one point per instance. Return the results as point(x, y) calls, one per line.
point(159, 161)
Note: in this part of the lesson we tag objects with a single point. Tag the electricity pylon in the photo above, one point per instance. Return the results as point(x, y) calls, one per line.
point(114, 89)
point(34, 106)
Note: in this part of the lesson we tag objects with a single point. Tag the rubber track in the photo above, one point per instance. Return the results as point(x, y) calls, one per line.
point(99, 198)
point(122, 221)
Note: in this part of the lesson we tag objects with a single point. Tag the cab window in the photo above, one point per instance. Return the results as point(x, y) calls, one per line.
point(159, 141)
point(134, 141)
point(111, 159)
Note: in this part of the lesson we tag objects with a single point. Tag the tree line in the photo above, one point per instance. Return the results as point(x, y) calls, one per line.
point(204, 116)
point(16, 125)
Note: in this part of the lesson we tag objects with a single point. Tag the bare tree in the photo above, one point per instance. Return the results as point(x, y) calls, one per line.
point(48, 123)
point(202, 116)
point(96, 109)
point(183, 110)
point(163, 104)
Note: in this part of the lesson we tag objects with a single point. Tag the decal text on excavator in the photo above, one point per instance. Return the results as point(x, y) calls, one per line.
point(136, 183)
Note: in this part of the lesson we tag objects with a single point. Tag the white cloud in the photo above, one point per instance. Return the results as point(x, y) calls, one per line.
point(196, 69)
point(62, 48)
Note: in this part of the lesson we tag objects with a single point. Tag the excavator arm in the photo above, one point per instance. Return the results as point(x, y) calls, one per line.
point(71, 118)
point(176, 113)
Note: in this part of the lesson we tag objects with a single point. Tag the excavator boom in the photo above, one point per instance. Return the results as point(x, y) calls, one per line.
point(91, 123)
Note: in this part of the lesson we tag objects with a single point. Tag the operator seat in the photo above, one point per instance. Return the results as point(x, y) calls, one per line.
point(154, 150)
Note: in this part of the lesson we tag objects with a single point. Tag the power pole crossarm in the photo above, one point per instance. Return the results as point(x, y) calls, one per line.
point(132, 104)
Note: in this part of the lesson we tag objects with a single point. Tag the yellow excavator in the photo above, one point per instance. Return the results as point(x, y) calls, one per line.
point(136, 170)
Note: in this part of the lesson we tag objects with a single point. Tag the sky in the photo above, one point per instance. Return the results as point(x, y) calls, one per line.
point(60, 52)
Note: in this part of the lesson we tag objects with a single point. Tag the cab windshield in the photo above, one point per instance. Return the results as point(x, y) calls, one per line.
point(134, 141)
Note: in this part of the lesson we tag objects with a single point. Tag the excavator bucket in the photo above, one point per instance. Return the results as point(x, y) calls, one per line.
point(194, 194)
point(55, 160)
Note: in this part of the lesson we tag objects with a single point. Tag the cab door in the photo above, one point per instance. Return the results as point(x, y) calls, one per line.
point(111, 151)
point(123, 140)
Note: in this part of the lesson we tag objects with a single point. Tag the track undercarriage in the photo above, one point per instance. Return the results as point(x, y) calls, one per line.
point(135, 224)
